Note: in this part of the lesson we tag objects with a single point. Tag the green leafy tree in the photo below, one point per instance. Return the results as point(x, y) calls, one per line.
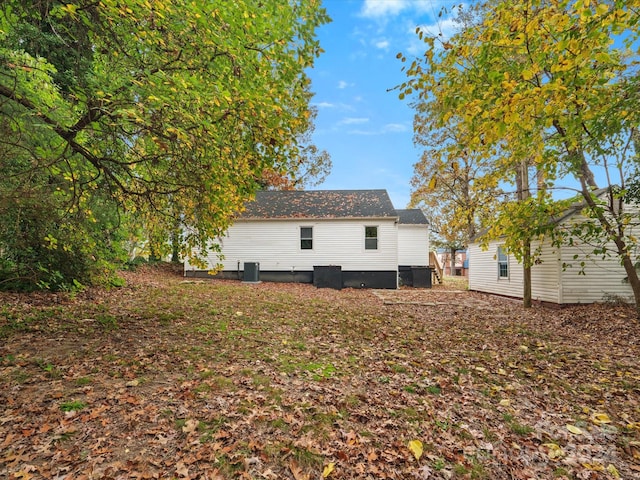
point(553, 86)
point(169, 111)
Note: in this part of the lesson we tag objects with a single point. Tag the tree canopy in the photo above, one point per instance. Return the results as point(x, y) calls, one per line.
point(165, 113)
point(549, 86)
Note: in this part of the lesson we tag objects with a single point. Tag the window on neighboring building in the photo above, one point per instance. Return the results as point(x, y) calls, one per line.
point(503, 263)
point(371, 238)
point(306, 238)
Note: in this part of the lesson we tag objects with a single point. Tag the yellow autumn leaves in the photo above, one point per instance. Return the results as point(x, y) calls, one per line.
point(416, 448)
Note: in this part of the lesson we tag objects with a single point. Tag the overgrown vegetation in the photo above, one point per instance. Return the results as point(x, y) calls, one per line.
point(135, 124)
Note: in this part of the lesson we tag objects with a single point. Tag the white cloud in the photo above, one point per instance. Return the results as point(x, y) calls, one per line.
point(323, 104)
point(434, 17)
point(363, 132)
point(353, 121)
point(343, 84)
point(395, 127)
point(345, 107)
point(383, 8)
point(388, 128)
point(442, 30)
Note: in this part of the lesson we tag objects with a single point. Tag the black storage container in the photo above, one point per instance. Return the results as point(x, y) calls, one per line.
point(421, 277)
point(329, 276)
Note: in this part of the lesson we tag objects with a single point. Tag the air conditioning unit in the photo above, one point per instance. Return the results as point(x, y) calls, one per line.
point(251, 272)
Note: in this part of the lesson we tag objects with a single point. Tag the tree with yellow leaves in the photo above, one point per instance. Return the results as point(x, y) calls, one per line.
point(551, 86)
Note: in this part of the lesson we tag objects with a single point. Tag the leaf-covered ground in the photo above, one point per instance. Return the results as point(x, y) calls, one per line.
point(173, 379)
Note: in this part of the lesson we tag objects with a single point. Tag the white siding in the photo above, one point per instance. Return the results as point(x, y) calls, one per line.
point(602, 276)
point(545, 275)
point(413, 245)
point(483, 272)
point(276, 245)
point(550, 282)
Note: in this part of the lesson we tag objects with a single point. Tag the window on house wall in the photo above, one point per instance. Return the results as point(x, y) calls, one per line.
point(306, 238)
point(503, 263)
point(370, 238)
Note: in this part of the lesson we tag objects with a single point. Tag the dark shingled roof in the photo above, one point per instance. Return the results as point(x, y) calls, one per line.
point(320, 204)
point(413, 216)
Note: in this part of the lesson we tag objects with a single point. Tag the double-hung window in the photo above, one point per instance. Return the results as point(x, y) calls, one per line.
point(370, 238)
point(503, 263)
point(306, 238)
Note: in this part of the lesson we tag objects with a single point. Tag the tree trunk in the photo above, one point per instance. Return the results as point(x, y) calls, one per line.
point(526, 259)
point(175, 247)
point(522, 186)
point(453, 261)
point(634, 281)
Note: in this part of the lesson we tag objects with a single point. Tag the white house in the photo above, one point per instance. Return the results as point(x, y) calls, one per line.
point(347, 238)
point(558, 276)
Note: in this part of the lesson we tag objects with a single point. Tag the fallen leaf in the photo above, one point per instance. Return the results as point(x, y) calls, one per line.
point(613, 470)
point(573, 429)
point(328, 469)
point(553, 450)
point(190, 426)
point(297, 472)
point(600, 418)
point(424, 472)
point(182, 470)
point(22, 474)
point(416, 448)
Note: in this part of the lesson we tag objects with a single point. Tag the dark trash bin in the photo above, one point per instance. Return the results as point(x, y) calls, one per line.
point(421, 277)
point(329, 276)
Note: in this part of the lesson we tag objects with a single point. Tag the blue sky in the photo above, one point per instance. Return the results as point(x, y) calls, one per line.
point(365, 128)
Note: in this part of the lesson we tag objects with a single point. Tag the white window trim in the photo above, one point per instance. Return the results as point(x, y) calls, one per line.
point(377, 238)
point(506, 262)
point(300, 238)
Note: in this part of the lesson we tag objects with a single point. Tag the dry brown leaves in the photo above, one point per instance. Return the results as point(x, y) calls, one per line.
point(168, 378)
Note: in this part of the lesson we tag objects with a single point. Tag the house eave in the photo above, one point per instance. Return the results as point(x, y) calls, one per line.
point(313, 219)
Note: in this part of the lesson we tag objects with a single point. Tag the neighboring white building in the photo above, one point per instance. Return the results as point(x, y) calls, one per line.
point(295, 236)
point(558, 275)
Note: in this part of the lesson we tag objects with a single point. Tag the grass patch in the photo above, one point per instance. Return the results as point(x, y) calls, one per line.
point(517, 427)
point(82, 381)
point(72, 406)
point(108, 322)
point(51, 370)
